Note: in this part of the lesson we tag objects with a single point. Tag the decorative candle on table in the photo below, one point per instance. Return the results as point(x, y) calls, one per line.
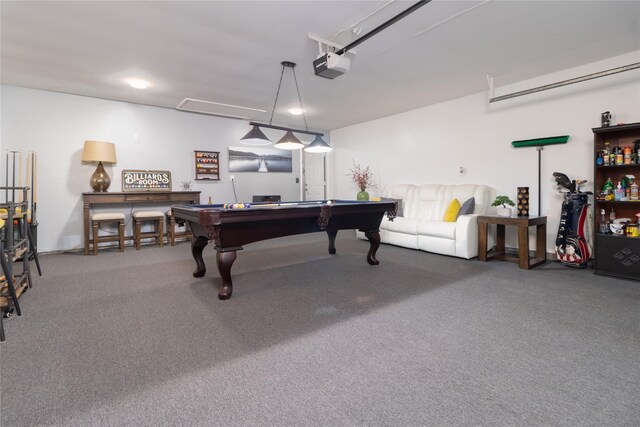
point(523, 201)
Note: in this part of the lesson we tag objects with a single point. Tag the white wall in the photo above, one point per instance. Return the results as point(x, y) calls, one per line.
point(428, 145)
point(55, 125)
point(425, 145)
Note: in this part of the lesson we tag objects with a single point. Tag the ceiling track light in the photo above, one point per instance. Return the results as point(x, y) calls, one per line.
point(289, 141)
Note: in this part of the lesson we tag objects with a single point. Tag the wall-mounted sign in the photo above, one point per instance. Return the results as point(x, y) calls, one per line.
point(139, 180)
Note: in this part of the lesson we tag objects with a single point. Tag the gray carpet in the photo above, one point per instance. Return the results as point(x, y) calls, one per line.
point(310, 339)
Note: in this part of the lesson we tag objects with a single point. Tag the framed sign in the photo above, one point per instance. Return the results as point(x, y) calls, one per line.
point(207, 165)
point(145, 180)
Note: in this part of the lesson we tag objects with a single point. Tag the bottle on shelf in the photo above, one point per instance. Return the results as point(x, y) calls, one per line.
point(612, 215)
point(608, 186)
point(627, 155)
point(617, 156)
point(606, 154)
point(633, 191)
point(618, 193)
point(602, 226)
point(607, 190)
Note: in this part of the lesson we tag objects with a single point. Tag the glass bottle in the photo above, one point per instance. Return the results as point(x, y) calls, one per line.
point(602, 226)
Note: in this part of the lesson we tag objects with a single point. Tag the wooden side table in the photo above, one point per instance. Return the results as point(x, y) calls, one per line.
point(523, 223)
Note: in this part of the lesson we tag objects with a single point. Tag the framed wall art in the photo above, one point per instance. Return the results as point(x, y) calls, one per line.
point(259, 159)
point(207, 165)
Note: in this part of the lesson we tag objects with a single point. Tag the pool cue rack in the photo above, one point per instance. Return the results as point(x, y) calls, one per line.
point(16, 251)
point(17, 235)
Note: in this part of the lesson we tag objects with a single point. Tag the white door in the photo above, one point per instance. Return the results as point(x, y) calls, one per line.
point(314, 176)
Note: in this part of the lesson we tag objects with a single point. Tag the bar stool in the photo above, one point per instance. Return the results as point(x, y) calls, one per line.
point(157, 217)
point(171, 229)
point(107, 218)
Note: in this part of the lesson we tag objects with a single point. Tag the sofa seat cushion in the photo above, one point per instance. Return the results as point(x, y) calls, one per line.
point(437, 245)
point(442, 229)
point(402, 225)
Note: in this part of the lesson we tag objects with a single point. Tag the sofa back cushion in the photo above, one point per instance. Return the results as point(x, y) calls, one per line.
point(404, 192)
point(430, 201)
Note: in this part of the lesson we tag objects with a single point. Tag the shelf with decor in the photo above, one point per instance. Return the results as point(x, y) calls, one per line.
point(614, 254)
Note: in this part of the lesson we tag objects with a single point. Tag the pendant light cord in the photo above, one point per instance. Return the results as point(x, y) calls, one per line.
point(295, 79)
point(275, 102)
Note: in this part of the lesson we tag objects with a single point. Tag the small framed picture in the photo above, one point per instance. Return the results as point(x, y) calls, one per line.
point(207, 165)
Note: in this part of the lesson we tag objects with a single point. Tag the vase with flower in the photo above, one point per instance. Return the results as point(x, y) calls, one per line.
point(363, 179)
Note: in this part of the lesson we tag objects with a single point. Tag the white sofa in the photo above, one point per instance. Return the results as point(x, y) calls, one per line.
point(422, 224)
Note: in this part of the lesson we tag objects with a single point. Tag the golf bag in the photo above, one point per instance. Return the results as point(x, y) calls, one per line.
point(573, 243)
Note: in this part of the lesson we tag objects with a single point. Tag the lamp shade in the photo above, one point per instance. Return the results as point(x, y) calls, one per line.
point(255, 137)
point(318, 145)
point(289, 142)
point(99, 151)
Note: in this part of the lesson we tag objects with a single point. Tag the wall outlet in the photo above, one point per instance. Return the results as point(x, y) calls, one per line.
point(232, 177)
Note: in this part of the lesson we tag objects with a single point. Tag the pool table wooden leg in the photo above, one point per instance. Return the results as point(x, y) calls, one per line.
point(332, 241)
point(225, 261)
point(197, 246)
point(374, 244)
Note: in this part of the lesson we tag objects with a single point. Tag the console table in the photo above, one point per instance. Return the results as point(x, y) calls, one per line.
point(108, 198)
point(523, 223)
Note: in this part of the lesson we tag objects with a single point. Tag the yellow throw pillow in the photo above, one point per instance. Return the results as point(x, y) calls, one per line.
point(451, 214)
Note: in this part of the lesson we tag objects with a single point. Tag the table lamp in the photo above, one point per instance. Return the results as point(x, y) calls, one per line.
point(98, 151)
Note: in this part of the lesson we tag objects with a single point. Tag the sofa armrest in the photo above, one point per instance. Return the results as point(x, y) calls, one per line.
point(467, 236)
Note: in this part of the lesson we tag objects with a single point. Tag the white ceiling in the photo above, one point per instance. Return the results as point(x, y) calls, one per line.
point(230, 51)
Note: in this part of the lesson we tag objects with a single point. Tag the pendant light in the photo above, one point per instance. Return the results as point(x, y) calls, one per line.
point(318, 145)
point(289, 141)
point(255, 137)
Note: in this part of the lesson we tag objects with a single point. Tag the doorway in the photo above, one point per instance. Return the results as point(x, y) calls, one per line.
point(314, 176)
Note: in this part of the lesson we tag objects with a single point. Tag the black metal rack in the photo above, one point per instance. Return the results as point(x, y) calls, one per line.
point(17, 248)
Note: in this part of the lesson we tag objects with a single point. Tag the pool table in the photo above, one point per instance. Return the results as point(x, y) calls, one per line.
point(231, 228)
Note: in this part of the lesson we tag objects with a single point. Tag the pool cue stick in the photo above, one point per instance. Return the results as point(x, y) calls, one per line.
point(29, 179)
point(6, 179)
point(20, 192)
point(35, 184)
point(13, 177)
point(34, 164)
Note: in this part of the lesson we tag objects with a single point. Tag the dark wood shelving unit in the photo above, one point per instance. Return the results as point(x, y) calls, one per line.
point(617, 256)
